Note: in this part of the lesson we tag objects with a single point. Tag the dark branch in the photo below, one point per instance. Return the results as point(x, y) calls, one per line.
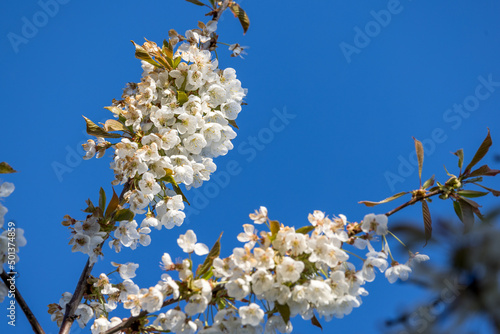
point(24, 306)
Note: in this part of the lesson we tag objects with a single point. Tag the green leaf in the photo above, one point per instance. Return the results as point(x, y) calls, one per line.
point(419, 148)
point(102, 199)
point(5, 168)
point(305, 229)
point(484, 171)
point(167, 50)
point(170, 179)
point(182, 97)
point(212, 255)
point(427, 221)
point(275, 227)
point(467, 214)
point(472, 193)
point(114, 125)
point(212, 2)
point(196, 2)
point(123, 214)
point(241, 15)
point(90, 206)
point(460, 155)
point(94, 130)
point(176, 62)
point(315, 322)
point(113, 204)
point(232, 122)
point(494, 192)
point(428, 183)
point(392, 198)
point(481, 152)
point(142, 54)
point(458, 210)
point(284, 311)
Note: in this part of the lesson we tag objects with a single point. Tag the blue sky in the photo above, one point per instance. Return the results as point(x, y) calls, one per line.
point(336, 92)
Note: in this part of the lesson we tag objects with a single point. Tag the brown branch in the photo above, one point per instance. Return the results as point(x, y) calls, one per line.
point(127, 323)
point(220, 10)
point(69, 315)
point(413, 201)
point(24, 306)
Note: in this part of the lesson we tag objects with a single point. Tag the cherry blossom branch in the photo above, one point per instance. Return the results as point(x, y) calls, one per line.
point(126, 324)
point(24, 306)
point(413, 201)
point(69, 316)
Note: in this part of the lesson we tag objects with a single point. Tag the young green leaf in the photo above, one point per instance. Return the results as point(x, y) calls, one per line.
point(315, 322)
point(182, 97)
point(305, 229)
point(196, 2)
point(419, 148)
point(472, 193)
point(211, 256)
point(241, 15)
point(95, 130)
point(392, 198)
point(102, 199)
point(113, 204)
point(142, 54)
point(460, 155)
point(484, 171)
point(170, 179)
point(275, 227)
point(494, 192)
point(427, 221)
point(114, 125)
point(123, 214)
point(176, 62)
point(5, 168)
point(467, 214)
point(458, 210)
point(284, 311)
point(167, 50)
point(481, 152)
point(232, 122)
point(428, 183)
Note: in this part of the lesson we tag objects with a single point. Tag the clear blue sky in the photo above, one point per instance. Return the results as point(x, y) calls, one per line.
point(358, 90)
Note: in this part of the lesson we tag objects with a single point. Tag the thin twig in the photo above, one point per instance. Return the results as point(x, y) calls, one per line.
point(24, 306)
point(413, 201)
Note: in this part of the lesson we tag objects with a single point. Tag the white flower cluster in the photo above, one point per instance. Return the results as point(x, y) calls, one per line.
point(11, 238)
point(306, 271)
point(178, 120)
point(86, 236)
point(83, 312)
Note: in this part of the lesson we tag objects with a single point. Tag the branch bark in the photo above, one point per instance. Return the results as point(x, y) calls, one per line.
point(24, 306)
point(69, 315)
